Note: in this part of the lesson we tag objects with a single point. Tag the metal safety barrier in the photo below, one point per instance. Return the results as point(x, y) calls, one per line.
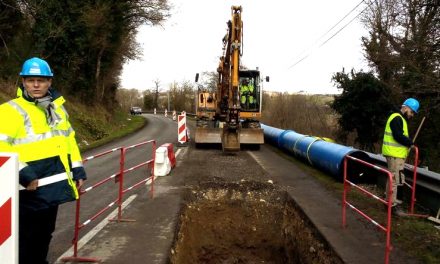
point(119, 178)
point(388, 203)
point(413, 186)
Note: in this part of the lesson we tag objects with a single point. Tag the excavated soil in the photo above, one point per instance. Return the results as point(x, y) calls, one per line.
point(245, 222)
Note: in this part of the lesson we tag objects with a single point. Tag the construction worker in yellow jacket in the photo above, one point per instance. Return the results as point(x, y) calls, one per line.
point(396, 145)
point(247, 95)
point(35, 125)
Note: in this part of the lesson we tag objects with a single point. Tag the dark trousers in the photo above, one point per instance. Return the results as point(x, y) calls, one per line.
point(35, 233)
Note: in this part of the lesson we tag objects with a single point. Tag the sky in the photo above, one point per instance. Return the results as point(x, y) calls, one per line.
point(295, 43)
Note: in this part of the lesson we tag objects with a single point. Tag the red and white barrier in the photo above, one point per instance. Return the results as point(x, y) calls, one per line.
point(8, 208)
point(171, 155)
point(164, 160)
point(166, 112)
point(181, 129)
point(154, 110)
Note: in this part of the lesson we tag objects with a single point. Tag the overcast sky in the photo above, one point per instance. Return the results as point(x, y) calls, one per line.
point(277, 34)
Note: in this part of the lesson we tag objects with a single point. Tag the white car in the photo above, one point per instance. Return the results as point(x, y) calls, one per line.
point(135, 110)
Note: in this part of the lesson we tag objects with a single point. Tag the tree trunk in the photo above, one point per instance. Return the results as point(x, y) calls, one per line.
point(99, 94)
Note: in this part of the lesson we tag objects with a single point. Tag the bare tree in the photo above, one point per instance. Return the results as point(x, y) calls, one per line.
point(128, 98)
point(304, 114)
point(403, 45)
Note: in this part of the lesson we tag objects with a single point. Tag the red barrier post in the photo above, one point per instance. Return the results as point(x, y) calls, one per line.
point(413, 189)
point(348, 184)
point(152, 170)
point(121, 184)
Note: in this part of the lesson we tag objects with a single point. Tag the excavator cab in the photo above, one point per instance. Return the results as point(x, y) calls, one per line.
point(250, 131)
point(249, 91)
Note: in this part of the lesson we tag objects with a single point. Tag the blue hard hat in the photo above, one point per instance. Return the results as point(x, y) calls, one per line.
point(413, 104)
point(36, 67)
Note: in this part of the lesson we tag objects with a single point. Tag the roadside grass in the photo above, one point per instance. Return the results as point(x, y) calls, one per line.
point(3, 98)
point(130, 125)
point(95, 126)
point(415, 235)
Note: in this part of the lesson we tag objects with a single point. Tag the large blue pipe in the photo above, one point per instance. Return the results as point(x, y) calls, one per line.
point(329, 157)
point(321, 154)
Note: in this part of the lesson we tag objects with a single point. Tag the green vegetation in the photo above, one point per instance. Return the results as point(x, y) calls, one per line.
point(94, 127)
point(363, 107)
point(85, 42)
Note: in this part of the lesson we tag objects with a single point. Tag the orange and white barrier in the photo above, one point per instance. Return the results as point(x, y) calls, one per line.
point(8, 208)
point(181, 129)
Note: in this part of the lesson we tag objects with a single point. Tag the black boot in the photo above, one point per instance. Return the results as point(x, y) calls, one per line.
point(396, 210)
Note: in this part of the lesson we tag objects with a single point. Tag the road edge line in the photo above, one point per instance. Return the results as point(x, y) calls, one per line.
point(87, 237)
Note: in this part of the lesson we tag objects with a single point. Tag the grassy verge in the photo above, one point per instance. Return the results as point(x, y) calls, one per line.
point(95, 126)
point(129, 126)
point(416, 236)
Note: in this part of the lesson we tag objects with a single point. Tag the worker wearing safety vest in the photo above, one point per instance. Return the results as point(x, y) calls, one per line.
point(395, 147)
point(246, 94)
point(35, 125)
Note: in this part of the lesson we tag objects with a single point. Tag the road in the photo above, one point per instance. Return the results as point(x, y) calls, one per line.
point(163, 130)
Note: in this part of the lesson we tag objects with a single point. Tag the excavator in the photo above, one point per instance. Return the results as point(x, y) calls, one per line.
point(230, 114)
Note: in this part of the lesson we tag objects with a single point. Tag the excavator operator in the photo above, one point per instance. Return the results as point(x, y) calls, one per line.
point(247, 95)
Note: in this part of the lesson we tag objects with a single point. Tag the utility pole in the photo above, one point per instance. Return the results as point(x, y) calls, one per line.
point(168, 95)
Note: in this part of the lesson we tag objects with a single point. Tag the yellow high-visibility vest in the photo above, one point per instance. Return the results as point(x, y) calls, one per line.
point(390, 146)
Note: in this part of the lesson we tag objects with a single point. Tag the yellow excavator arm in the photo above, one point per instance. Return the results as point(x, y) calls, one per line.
point(237, 113)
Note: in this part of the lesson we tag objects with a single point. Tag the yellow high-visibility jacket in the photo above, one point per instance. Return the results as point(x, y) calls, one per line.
point(247, 90)
point(50, 155)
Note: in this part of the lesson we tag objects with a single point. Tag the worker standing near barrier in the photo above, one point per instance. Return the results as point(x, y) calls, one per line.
point(35, 125)
point(396, 145)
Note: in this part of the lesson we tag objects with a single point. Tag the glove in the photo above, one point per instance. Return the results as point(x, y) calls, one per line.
point(26, 175)
point(79, 173)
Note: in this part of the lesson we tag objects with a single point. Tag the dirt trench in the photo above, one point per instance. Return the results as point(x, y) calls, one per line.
point(246, 222)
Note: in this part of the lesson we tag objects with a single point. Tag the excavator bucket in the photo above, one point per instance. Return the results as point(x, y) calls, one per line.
point(230, 141)
point(251, 136)
point(208, 135)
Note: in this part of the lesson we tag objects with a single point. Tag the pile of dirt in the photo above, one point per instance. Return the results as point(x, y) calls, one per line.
point(246, 222)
